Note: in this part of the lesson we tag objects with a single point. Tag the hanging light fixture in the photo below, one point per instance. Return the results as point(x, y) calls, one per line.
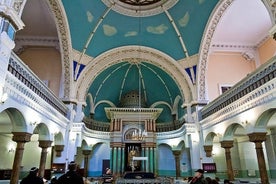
point(140, 133)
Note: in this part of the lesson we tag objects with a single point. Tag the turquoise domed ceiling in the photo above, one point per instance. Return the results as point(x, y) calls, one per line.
point(150, 82)
point(173, 28)
point(177, 31)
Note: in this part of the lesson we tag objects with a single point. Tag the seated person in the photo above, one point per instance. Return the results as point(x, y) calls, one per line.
point(108, 178)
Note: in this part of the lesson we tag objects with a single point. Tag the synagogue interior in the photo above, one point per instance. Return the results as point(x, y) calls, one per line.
point(159, 87)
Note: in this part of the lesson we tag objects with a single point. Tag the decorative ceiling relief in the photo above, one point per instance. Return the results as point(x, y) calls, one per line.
point(140, 8)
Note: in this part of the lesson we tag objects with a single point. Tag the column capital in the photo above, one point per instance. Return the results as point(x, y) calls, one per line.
point(227, 144)
point(117, 144)
point(86, 152)
point(176, 152)
point(208, 150)
point(21, 136)
point(257, 136)
point(44, 143)
point(59, 149)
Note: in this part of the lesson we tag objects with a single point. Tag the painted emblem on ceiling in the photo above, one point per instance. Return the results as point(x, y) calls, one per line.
point(140, 8)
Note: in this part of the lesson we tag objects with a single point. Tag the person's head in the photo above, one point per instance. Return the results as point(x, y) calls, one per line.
point(208, 179)
point(226, 181)
point(54, 180)
point(214, 181)
point(72, 166)
point(107, 171)
point(199, 172)
point(34, 171)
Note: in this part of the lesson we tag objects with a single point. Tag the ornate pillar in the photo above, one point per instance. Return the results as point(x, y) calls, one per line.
point(20, 138)
point(208, 150)
point(123, 159)
point(147, 155)
point(177, 154)
point(86, 153)
point(258, 138)
point(59, 149)
point(151, 160)
point(44, 145)
point(114, 160)
point(227, 145)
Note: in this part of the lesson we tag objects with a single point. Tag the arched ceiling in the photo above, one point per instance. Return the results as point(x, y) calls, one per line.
point(165, 26)
point(172, 27)
point(99, 26)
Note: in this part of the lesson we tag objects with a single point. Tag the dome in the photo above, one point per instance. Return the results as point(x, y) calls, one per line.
point(133, 100)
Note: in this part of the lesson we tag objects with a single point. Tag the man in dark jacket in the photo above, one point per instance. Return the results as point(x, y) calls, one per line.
point(32, 177)
point(71, 176)
point(198, 178)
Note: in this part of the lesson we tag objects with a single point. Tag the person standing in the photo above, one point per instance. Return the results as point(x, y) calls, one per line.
point(32, 177)
point(198, 177)
point(71, 176)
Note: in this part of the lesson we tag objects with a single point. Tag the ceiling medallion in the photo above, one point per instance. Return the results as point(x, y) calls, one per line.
point(140, 8)
point(140, 2)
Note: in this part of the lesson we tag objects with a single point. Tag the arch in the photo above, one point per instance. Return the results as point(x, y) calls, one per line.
point(179, 146)
point(150, 55)
point(58, 139)
point(104, 101)
point(17, 120)
point(264, 118)
point(43, 132)
point(65, 45)
point(209, 138)
point(229, 132)
point(205, 47)
point(89, 98)
point(175, 104)
point(84, 145)
point(161, 103)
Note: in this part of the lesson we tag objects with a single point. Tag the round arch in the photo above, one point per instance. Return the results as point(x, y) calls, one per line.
point(210, 138)
point(264, 118)
point(205, 47)
point(43, 132)
point(229, 132)
point(58, 139)
point(150, 55)
point(17, 119)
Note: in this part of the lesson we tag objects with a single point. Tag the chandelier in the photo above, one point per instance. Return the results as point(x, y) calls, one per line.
point(139, 134)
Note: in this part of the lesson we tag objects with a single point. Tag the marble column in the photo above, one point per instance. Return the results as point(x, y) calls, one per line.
point(114, 159)
point(177, 154)
point(44, 144)
point(123, 159)
point(119, 160)
point(258, 138)
point(20, 138)
point(151, 160)
point(208, 150)
point(86, 154)
point(227, 145)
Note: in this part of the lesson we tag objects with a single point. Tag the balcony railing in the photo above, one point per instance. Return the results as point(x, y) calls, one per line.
point(263, 75)
point(23, 73)
point(103, 126)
